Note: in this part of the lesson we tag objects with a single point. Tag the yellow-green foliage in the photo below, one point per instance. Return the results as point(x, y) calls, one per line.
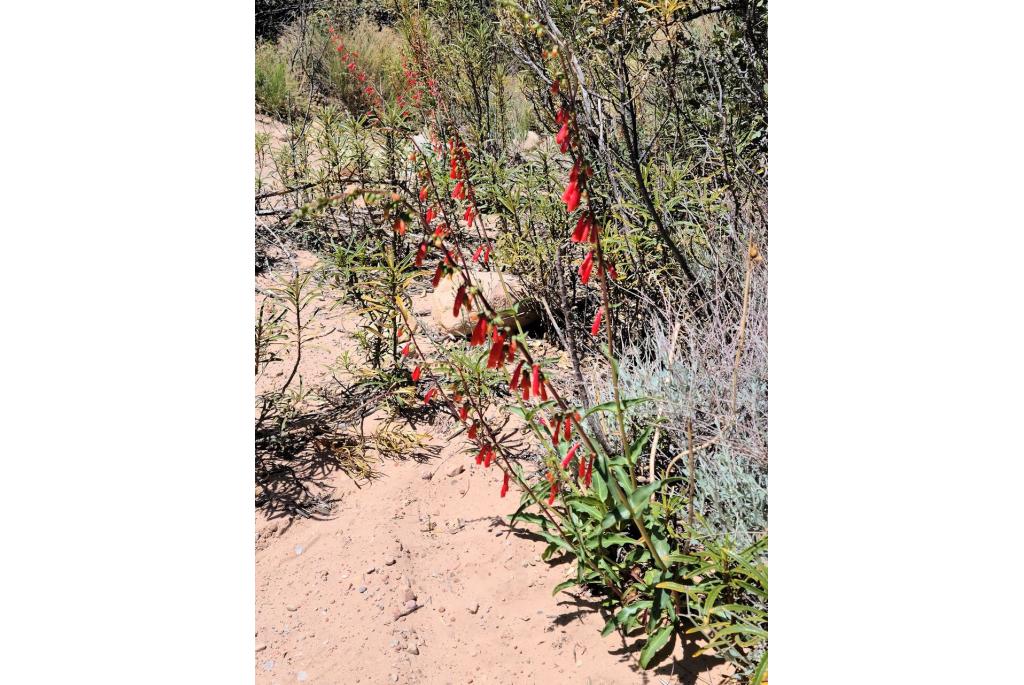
point(275, 84)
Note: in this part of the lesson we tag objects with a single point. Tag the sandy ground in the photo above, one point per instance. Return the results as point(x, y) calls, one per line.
point(413, 577)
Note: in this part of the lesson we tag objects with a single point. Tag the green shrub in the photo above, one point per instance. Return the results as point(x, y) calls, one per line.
point(275, 85)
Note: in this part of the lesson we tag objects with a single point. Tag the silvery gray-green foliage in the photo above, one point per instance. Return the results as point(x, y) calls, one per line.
point(687, 372)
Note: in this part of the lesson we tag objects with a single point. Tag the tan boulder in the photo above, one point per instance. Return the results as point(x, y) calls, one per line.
point(502, 291)
point(531, 142)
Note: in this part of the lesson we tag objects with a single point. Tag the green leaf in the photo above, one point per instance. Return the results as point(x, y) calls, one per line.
point(640, 497)
point(712, 596)
point(610, 406)
point(586, 506)
point(659, 640)
point(624, 614)
point(600, 486)
point(639, 443)
point(608, 540)
point(563, 585)
point(675, 587)
point(556, 541)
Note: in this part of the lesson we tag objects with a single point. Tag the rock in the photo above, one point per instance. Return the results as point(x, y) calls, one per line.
point(409, 596)
point(390, 562)
point(499, 296)
point(531, 142)
point(459, 468)
point(406, 609)
point(413, 649)
point(426, 475)
point(362, 588)
point(441, 610)
point(394, 677)
point(292, 607)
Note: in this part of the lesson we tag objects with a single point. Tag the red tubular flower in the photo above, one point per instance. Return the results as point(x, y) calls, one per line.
point(590, 472)
point(511, 351)
point(554, 491)
point(554, 435)
point(440, 230)
point(472, 432)
point(562, 137)
point(597, 322)
point(464, 412)
point(455, 169)
point(352, 67)
point(437, 274)
point(416, 374)
point(460, 297)
point(586, 267)
point(476, 255)
point(487, 253)
point(495, 358)
point(554, 87)
point(420, 254)
point(430, 214)
point(480, 455)
point(400, 226)
point(561, 117)
point(405, 350)
point(583, 227)
point(469, 215)
point(526, 389)
point(504, 485)
point(457, 397)
point(571, 196)
point(582, 472)
point(460, 191)
point(515, 376)
point(570, 454)
point(488, 455)
point(535, 380)
point(479, 333)
point(543, 390)
point(612, 273)
point(568, 428)
point(429, 395)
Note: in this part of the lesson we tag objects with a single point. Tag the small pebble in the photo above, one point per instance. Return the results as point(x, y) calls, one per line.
point(362, 588)
point(299, 549)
